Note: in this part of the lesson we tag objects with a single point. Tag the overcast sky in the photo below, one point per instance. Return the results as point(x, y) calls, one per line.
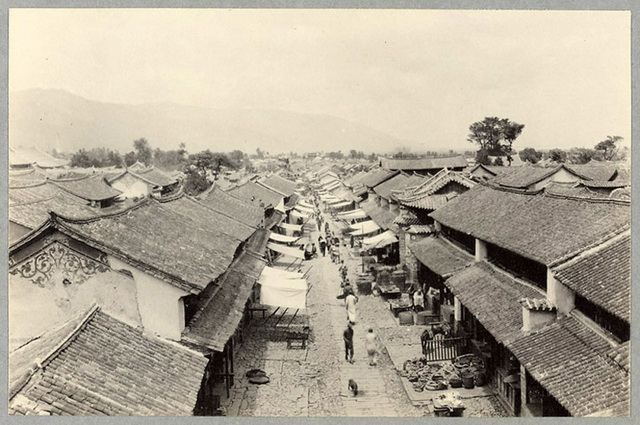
point(415, 74)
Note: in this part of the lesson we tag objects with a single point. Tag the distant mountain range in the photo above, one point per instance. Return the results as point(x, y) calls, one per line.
point(58, 119)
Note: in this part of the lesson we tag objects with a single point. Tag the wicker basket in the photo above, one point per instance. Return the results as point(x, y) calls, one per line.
point(405, 318)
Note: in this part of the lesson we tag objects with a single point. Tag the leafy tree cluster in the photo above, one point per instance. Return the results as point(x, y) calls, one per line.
point(97, 157)
point(530, 155)
point(495, 137)
point(405, 155)
point(606, 150)
point(354, 154)
point(335, 155)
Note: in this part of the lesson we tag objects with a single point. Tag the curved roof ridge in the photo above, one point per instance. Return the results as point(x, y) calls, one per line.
point(113, 214)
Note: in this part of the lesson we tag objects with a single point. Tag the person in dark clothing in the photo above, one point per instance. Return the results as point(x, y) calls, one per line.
point(323, 247)
point(347, 335)
point(352, 241)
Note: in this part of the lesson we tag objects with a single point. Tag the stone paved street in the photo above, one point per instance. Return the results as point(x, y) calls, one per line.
point(314, 382)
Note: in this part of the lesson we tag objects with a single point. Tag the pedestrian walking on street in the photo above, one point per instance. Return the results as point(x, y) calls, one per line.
point(372, 350)
point(347, 335)
point(350, 302)
point(343, 270)
point(323, 247)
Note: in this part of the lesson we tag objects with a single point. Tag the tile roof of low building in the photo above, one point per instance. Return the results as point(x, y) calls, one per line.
point(570, 361)
point(219, 200)
point(540, 226)
point(599, 184)
point(424, 163)
point(525, 176)
point(417, 197)
point(106, 367)
point(152, 175)
point(381, 216)
point(279, 184)
point(377, 176)
point(420, 229)
point(602, 275)
point(596, 170)
point(538, 304)
point(182, 242)
point(218, 318)
point(439, 256)
point(493, 298)
point(406, 218)
point(621, 355)
point(92, 188)
point(428, 202)
point(255, 194)
point(355, 179)
point(385, 189)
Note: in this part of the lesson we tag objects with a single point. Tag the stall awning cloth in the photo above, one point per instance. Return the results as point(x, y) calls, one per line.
point(329, 198)
point(286, 250)
point(379, 241)
point(364, 228)
point(298, 214)
point(351, 215)
point(283, 238)
point(305, 204)
point(304, 209)
point(332, 186)
point(270, 273)
point(278, 291)
point(334, 201)
point(280, 207)
point(289, 226)
point(341, 204)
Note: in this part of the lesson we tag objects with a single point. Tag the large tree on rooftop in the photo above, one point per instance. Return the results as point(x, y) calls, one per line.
point(530, 155)
point(607, 148)
point(495, 136)
point(143, 150)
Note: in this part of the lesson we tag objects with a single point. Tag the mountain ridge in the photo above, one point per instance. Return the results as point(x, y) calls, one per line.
point(55, 118)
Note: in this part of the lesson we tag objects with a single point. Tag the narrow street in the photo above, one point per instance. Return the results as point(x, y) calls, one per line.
point(314, 382)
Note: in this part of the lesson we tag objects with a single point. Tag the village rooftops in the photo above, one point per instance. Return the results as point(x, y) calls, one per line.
point(91, 188)
point(278, 184)
point(219, 200)
point(256, 194)
point(526, 176)
point(385, 189)
point(440, 256)
point(541, 226)
point(97, 365)
point(602, 275)
point(152, 176)
point(180, 241)
point(424, 163)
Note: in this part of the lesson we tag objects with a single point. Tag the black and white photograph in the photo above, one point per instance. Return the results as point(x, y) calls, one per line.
point(299, 212)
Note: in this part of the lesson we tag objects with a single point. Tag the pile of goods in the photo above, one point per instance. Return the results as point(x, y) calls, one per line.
point(257, 376)
point(430, 376)
point(465, 370)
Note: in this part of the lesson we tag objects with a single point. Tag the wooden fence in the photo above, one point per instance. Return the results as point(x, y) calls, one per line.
point(444, 349)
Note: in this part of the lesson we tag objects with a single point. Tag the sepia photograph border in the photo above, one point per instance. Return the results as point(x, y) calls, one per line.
point(624, 5)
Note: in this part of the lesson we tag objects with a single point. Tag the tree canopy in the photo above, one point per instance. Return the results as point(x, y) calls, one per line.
point(530, 155)
point(608, 148)
point(495, 136)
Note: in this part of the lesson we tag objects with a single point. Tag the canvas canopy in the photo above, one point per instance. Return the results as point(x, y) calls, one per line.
point(273, 272)
point(304, 209)
point(332, 186)
point(379, 241)
point(351, 215)
point(364, 228)
point(289, 226)
point(305, 204)
point(280, 290)
point(286, 250)
point(295, 214)
point(330, 202)
point(283, 238)
point(341, 204)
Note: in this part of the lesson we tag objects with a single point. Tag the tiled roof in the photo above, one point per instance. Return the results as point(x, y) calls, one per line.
point(347, 195)
point(596, 171)
point(249, 213)
point(570, 361)
point(384, 189)
point(109, 368)
point(543, 227)
point(255, 194)
point(381, 216)
point(220, 315)
point(621, 355)
point(420, 229)
point(439, 256)
point(152, 176)
point(572, 189)
point(414, 180)
point(375, 177)
point(355, 179)
point(525, 176)
point(493, 298)
point(599, 184)
point(406, 218)
point(279, 184)
point(424, 163)
point(603, 276)
point(181, 241)
point(93, 188)
point(428, 202)
point(538, 304)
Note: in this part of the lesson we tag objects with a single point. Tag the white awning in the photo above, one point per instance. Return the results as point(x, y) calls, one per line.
point(289, 226)
point(295, 214)
point(304, 209)
point(305, 204)
point(282, 292)
point(286, 250)
point(280, 207)
point(364, 228)
point(283, 238)
point(379, 241)
point(334, 201)
point(332, 186)
point(350, 215)
point(272, 272)
point(340, 204)
point(326, 198)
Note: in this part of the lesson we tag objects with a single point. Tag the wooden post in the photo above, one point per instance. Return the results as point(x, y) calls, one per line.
point(226, 369)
